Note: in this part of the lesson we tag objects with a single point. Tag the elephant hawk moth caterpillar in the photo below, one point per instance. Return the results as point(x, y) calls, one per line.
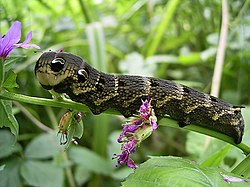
point(67, 73)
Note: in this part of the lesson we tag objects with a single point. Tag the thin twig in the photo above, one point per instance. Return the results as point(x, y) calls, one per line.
point(52, 117)
point(69, 173)
point(220, 51)
point(33, 119)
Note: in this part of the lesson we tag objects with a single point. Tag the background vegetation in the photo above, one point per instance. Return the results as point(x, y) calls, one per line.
point(172, 39)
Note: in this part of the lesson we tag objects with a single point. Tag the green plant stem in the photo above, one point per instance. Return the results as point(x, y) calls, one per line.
point(133, 10)
point(69, 173)
point(166, 121)
point(156, 35)
point(1, 72)
point(67, 104)
point(85, 11)
point(172, 123)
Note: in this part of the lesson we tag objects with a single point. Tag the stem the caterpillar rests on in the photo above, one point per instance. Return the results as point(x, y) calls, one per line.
point(70, 74)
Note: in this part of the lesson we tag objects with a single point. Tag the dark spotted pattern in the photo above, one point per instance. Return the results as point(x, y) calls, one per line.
point(100, 91)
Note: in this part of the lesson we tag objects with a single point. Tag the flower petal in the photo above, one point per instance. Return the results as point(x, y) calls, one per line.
point(28, 38)
point(153, 124)
point(12, 37)
point(60, 50)
point(127, 149)
point(130, 146)
point(145, 109)
point(130, 163)
point(122, 158)
point(25, 44)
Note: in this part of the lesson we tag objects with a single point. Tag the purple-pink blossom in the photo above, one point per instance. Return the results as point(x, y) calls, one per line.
point(135, 132)
point(145, 109)
point(124, 158)
point(10, 40)
point(153, 124)
point(129, 129)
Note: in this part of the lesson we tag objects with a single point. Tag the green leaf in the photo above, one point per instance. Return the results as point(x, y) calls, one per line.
point(174, 171)
point(79, 129)
point(38, 173)
point(246, 116)
point(90, 160)
point(217, 158)
point(10, 63)
point(10, 80)
point(96, 40)
point(9, 176)
point(7, 118)
point(196, 144)
point(42, 147)
point(130, 11)
point(8, 144)
point(82, 175)
point(121, 173)
point(243, 168)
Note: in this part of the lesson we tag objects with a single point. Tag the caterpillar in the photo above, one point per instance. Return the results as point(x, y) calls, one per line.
point(68, 73)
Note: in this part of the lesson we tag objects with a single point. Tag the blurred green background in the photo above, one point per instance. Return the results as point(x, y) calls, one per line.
point(174, 40)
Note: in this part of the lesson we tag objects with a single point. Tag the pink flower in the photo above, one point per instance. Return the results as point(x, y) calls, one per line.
point(135, 132)
point(145, 109)
point(10, 41)
point(153, 123)
point(124, 157)
point(129, 129)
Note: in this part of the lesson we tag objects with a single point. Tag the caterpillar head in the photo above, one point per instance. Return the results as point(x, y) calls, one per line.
point(60, 69)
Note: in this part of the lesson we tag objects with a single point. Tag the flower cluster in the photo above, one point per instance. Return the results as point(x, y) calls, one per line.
point(135, 132)
point(10, 41)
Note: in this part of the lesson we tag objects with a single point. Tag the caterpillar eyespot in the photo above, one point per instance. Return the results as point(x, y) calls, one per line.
point(57, 64)
point(82, 75)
